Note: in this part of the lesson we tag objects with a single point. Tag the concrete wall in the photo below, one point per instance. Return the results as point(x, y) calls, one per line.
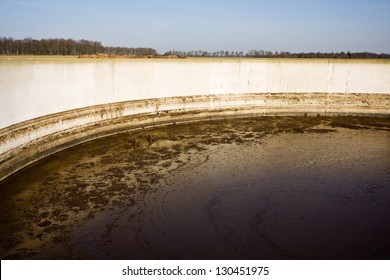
point(32, 88)
point(48, 104)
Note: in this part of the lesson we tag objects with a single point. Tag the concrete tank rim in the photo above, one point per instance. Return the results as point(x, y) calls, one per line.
point(65, 137)
point(46, 100)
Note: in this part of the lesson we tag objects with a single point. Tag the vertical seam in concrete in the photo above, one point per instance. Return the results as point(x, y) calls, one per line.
point(113, 80)
point(34, 92)
point(237, 72)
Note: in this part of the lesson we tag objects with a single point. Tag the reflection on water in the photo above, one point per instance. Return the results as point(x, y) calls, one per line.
point(260, 188)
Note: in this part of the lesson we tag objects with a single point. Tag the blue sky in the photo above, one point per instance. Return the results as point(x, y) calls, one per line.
point(213, 25)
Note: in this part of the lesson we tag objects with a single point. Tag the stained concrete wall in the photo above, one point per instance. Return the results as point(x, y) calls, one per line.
point(31, 88)
point(48, 104)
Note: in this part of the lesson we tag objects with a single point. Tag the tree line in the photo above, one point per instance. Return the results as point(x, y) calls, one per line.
point(282, 54)
point(59, 46)
point(29, 46)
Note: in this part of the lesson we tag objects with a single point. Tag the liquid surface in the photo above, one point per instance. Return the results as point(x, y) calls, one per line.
point(259, 188)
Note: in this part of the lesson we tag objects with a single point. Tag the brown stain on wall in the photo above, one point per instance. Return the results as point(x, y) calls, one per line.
point(69, 128)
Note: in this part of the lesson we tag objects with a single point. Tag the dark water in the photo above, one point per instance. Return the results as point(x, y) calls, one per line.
point(260, 188)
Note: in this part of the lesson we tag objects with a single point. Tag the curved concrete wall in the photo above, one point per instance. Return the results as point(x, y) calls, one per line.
point(48, 104)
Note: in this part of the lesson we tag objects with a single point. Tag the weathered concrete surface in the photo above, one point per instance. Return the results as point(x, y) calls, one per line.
point(50, 104)
point(33, 88)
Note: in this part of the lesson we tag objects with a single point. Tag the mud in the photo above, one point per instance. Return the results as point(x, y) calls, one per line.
point(255, 188)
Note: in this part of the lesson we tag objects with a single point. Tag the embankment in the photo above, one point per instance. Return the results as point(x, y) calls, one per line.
point(49, 104)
